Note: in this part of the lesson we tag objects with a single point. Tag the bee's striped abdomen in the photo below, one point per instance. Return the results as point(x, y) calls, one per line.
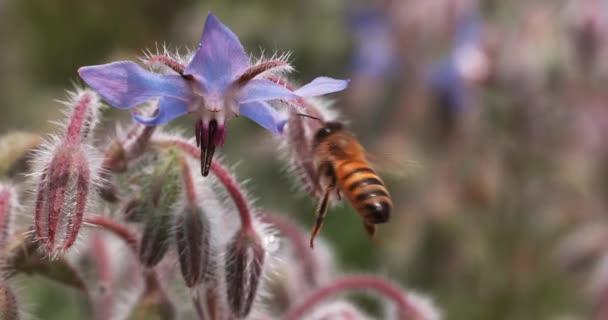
point(364, 189)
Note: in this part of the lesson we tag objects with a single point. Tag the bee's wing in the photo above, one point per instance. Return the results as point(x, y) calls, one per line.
point(395, 159)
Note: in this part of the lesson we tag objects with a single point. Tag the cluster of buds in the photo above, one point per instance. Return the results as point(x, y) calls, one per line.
point(179, 244)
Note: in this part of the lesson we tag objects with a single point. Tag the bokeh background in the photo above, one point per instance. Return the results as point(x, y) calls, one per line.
point(487, 119)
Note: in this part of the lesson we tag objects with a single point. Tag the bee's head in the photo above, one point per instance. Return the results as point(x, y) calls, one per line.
point(328, 129)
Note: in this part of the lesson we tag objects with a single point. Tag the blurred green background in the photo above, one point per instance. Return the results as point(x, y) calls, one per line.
point(500, 203)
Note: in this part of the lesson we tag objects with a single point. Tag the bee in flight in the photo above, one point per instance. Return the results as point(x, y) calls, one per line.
point(341, 166)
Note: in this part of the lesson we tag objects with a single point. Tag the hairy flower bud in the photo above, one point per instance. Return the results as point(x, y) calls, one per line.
point(244, 261)
point(9, 309)
point(132, 210)
point(160, 196)
point(8, 203)
point(66, 169)
point(155, 239)
point(298, 139)
point(192, 238)
point(192, 233)
point(63, 196)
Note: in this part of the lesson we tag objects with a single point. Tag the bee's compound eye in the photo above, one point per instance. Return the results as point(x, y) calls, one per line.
point(330, 127)
point(322, 133)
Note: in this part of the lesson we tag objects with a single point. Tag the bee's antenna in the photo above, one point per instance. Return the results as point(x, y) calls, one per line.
point(309, 116)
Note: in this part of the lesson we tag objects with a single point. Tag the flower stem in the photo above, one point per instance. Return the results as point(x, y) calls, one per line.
point(188, 183)
point(114, 227)
point(305, 256)
point(153, 287)
point(237, 196)
point(222, 174)
point(359, 282)
point(103, 305)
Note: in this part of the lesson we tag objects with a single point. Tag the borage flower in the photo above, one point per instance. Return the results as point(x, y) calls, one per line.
point(467, 64)
point(217, 84)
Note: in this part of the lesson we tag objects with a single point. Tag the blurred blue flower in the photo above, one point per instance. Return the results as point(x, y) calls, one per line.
point(374, 54)
point(449, 79)
point(217, 84)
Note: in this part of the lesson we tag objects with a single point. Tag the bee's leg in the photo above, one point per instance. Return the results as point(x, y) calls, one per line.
point(322, 169)
point(338, 194)
point(370, 228)
point(322, 211)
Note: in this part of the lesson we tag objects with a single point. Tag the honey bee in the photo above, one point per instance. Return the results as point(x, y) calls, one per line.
point(340, 161)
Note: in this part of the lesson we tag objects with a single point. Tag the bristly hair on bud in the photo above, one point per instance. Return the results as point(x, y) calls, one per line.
point(8, 204)
point(82, 111)
point(244, 262)
point(9, 307)
point(161, 194)
point(192, 230)
point(297, 140)
point(66, 174)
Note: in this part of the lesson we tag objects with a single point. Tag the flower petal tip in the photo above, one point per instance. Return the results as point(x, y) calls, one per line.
point(220, 57)
point(321, 86)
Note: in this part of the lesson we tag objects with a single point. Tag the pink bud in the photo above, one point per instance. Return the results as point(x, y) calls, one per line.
point(8, 203)
point(9, 309)
point(63, 196)
point(244, 262)
point(67, 167)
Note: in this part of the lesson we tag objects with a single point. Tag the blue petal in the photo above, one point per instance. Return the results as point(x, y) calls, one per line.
point(320, 86)
point(169, 109)
point(220, 57)
point(262, 90)
point(468, 30)
point(124, 84)
point(263, 114)
point(448, 85)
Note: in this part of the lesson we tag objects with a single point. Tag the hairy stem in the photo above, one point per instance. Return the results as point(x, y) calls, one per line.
point(153, 287)
point(188, 183)
point(114, 227)
point(222, 174)
point(361, 282)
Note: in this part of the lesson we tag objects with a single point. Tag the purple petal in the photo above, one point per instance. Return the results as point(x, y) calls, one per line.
point(322, 85)
point(262, 90)
point(263, 114)
point(468, 32)
point(220, 57)
point(124, 84)
point(169, 109)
